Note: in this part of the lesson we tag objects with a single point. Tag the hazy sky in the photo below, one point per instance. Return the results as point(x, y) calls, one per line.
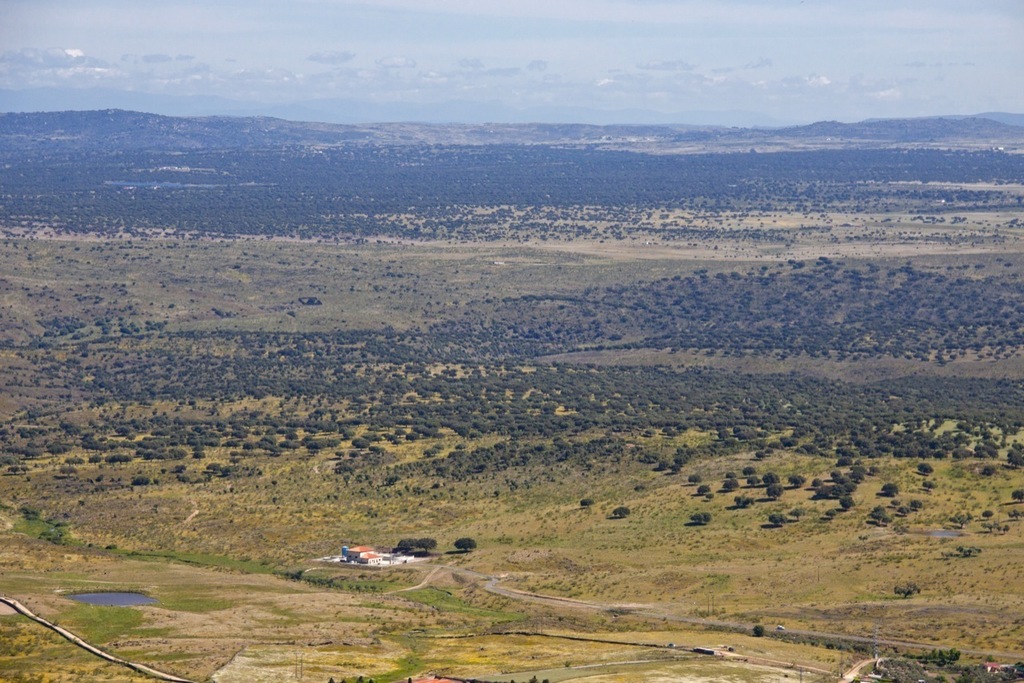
point(794, 60)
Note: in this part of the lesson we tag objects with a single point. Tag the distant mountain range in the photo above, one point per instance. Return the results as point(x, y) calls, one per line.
point(352, 111)
point(118, 129)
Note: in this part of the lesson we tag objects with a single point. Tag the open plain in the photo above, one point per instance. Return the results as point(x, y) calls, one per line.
point(663, 421)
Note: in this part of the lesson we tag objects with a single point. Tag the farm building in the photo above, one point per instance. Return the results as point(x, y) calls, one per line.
point(367, 555)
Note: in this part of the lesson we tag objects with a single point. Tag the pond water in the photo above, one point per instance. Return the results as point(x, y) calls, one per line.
point(113, 599)
point(944, 533)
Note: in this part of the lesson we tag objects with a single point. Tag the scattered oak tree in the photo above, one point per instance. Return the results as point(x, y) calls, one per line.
point(880, 516)
point(962, 519)
point(465, 544)
point(701, 518)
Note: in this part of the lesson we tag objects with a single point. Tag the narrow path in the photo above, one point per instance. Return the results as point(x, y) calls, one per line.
point(92, 649)
point(422, 584)
point(853, 672)
point(195, 511)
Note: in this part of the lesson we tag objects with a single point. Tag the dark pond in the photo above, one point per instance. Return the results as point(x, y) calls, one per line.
point(113, 599)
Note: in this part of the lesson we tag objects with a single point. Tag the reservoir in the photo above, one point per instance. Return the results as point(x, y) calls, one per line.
point(113, 599)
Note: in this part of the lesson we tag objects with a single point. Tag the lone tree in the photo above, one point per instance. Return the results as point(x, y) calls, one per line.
point(620, 512)
point(465, 544)
point(586, 502)
point(758, 631)
point(905, 590)
point(777, 519)
point(1018, 495)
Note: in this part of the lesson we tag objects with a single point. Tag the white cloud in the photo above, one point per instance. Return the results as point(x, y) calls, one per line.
point(44, 67)
point(887, 94)
point(49, 57)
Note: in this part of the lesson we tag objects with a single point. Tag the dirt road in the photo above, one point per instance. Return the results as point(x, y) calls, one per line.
point(491, 584)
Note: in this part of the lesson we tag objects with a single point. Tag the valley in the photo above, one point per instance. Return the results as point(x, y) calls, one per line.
point(665, 407)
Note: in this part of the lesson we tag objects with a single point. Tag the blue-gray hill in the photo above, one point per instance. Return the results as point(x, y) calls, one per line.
point(114, 129)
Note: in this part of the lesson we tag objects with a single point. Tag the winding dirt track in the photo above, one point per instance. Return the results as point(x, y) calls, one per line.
point(424, 583)
point(491, 586)
point(92, 649)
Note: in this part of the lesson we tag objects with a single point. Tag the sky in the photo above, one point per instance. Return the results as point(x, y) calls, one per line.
point(732, 62)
